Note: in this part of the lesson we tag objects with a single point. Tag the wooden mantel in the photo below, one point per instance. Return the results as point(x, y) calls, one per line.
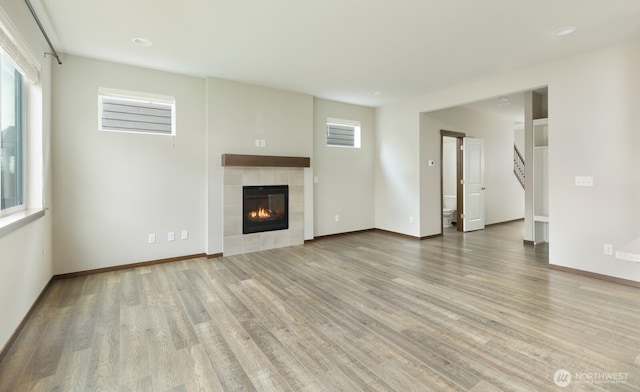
point(264, 161)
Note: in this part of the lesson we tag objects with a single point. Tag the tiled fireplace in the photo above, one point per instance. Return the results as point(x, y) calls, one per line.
point(236, 177)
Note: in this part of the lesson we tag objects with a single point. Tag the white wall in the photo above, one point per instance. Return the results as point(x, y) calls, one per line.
point(518, 138)
point(345, 176)
point(504, 197)
point(449, 167)
point(237, 115)
point(112, 189)
point(397, 170)
point(26, 262)
point(593, 100)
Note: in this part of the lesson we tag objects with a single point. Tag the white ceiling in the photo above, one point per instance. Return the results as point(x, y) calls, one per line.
point(345, 50)
point(511, 106)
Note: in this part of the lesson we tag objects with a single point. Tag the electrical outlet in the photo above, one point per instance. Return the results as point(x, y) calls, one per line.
point(608, 249)
point(152, 238)
point(337, 218)
point(171, 236)
point(410, 219)
point(184, 235)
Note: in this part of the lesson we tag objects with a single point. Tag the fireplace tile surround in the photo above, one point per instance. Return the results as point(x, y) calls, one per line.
point(235, 177)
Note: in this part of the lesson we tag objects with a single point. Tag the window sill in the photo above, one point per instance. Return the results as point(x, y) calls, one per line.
point(13, 222)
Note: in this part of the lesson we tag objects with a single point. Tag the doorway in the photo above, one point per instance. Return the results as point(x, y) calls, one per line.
point(461, 181)
point(494, 120)
point(451, 174)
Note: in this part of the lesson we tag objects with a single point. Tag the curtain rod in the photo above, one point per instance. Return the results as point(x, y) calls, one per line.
point(33, 12)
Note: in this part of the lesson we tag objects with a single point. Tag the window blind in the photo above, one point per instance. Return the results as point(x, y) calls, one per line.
point(340, 135)
point(128, 111)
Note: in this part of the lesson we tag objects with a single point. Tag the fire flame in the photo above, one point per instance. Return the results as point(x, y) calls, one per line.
point(261, 213)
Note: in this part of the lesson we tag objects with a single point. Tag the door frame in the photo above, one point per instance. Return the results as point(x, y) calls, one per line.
point(459, 136)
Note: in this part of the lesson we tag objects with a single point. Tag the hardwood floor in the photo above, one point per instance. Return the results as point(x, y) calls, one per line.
point(362, 312)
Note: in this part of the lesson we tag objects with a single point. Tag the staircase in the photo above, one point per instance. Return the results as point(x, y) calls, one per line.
point(518, 165)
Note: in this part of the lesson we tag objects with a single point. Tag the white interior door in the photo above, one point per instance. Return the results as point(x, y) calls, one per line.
point(473, 184)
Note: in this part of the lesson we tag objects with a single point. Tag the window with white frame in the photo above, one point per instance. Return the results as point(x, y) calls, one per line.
point(343, 133)
point(127, 111)
point(11, 136)
point(20, 140)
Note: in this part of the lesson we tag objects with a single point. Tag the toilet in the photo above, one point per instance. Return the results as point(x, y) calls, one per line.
point(448, 210)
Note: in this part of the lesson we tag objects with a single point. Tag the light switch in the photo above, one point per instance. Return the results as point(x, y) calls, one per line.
point(584, 181)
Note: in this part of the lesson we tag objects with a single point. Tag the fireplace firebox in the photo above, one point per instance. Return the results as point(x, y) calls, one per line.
point(265, 208)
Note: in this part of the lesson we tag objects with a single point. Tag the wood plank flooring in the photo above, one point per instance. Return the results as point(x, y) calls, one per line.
point(362, 312)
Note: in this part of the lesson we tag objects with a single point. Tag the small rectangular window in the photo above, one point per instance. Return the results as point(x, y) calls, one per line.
point(124, 111)
point(343, 133)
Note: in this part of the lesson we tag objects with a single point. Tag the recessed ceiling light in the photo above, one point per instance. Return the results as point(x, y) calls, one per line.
point(376, 93)
point(562, 31)
point(142, 41)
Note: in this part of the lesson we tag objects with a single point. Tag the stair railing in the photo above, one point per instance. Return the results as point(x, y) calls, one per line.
point(518, 165)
